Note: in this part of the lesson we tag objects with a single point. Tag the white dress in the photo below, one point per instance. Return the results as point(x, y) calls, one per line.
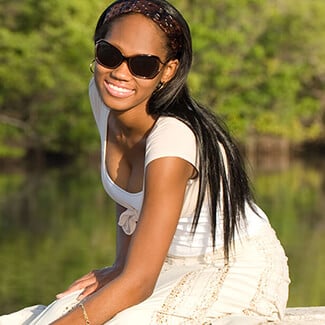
point(194, 286)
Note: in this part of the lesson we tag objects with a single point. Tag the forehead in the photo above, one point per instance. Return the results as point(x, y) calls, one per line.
point(137, 33)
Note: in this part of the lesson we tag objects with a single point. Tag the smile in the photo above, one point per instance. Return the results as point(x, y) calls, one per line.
point(117, 91)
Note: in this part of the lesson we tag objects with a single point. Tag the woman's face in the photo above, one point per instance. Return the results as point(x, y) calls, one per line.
point(133, 35)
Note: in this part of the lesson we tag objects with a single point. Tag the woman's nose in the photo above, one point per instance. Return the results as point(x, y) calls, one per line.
point(122, 71)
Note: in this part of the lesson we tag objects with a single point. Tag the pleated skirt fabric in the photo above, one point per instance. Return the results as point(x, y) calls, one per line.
point(252, 288)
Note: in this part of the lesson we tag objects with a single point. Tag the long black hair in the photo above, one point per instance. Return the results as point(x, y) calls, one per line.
point(221, 169)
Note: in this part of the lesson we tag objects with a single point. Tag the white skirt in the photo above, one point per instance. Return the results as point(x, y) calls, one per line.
point(251, 289)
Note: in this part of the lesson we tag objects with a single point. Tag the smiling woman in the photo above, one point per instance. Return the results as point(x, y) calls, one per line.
point(192, 246)
point(139, 71)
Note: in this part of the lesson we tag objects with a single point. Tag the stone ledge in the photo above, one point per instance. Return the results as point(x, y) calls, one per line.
point(304, 316)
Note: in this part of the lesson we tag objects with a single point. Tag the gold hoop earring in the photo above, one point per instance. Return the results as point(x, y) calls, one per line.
point(160, 86)
point(91, 66)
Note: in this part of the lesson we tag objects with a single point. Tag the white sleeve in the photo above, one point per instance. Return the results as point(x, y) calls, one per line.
point(171, 137)
point(100, 110)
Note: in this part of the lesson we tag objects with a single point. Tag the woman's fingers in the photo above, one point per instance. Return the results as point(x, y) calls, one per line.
point(87, 280)
point(88, 291)
point(90, 282)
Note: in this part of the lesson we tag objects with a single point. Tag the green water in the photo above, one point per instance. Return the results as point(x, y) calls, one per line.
point(57, 224)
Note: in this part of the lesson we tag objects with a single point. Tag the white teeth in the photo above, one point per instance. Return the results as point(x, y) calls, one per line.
point(119, 89)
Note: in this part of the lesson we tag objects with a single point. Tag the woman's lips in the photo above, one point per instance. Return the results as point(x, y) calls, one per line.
point(118, 91)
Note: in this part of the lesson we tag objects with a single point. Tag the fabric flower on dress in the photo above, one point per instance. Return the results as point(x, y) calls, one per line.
point(128, 221)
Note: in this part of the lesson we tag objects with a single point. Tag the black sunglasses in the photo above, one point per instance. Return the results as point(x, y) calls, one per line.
point(141, 66)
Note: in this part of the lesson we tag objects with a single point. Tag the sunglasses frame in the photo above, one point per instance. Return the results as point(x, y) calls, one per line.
point(128, 60)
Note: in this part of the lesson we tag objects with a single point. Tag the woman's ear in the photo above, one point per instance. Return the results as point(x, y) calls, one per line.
point(169, 70)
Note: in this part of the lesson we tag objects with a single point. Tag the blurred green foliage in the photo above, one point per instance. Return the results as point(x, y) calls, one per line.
point(56, 226)
point(45, 51)
point(258, 63)
point(261, 64)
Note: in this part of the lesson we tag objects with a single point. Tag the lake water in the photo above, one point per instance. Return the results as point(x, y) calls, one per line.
point(57, 224)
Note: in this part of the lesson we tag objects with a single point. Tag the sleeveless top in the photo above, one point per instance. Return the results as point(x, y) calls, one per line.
point(169, 137)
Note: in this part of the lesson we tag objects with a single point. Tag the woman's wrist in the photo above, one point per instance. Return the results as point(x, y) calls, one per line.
point(84, 313)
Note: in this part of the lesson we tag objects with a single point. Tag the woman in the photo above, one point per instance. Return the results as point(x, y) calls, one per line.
point(192, 247)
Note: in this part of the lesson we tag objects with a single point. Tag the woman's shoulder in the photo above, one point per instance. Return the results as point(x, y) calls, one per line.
point(171, 126)
point(171, 137)
point(92, 91)
point(171, 132)
point(94, 97)
point(100, 110)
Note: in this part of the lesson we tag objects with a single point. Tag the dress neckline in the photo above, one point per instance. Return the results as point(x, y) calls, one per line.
point(104, 159)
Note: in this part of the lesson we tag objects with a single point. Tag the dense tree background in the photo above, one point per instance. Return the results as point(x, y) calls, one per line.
point(258, 63)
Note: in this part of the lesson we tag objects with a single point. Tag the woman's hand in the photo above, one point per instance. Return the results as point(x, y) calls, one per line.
point(91, 282)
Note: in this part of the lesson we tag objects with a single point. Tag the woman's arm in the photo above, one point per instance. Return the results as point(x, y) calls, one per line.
point(122, 241)
point(165, 185)
point(96, 279)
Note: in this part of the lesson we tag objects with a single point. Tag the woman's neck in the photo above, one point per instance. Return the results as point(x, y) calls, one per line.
point(131, 126)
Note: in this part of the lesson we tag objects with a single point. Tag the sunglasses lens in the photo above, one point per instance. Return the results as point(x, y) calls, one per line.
point(144, 66)
point(108, 55)
point(141, 66)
